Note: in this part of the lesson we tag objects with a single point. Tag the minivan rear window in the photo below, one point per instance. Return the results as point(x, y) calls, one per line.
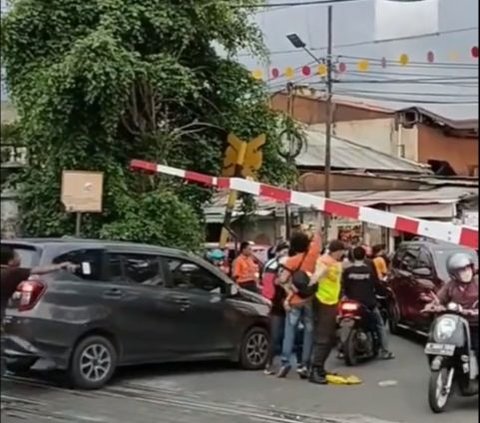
point(29, 255)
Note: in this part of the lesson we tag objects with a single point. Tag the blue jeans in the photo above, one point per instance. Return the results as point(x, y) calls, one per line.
point(293, 318)
point(378, 326)
point(277, 332)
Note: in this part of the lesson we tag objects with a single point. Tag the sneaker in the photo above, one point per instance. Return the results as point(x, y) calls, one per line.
point(302, 372)
point(318, 376)
point(284, 370)
point(268, 371)
point(387, 355)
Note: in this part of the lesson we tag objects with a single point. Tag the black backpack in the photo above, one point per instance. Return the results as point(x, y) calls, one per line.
point(301, 281)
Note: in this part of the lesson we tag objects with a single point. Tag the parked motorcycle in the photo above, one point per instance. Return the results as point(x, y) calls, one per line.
point(357, 334)
point(451, 358)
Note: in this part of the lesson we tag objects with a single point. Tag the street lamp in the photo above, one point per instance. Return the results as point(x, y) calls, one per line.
point(297, 42)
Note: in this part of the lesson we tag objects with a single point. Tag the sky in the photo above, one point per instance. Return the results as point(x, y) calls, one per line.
point(353, 22)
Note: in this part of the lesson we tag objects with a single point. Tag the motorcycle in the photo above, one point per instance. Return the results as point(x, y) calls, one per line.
point(451, 358)
point(357, 333)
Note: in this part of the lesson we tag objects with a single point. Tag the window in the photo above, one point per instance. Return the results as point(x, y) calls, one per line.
point(143, 269)
point(91, 256)
point(424, 260)
point(187, 275)
point(28, 256)
point(407, 260)
point(115, 268)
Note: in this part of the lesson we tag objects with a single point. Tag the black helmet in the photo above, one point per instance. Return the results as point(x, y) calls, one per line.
point(459, 262)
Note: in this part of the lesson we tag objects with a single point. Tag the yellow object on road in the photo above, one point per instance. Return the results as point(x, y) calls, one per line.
point(335, 379)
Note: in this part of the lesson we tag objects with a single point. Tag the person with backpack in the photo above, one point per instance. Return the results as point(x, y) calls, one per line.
point(272, 291)
point(305, 250)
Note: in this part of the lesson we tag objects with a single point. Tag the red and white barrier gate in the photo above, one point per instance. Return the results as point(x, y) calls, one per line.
point(456, 234)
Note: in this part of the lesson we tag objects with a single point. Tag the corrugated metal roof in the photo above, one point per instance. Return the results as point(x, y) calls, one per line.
point(348, 155)
point(265, 207)
point(431, 196)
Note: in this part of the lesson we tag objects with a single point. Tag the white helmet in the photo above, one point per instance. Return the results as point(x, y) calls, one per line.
point(460, 266)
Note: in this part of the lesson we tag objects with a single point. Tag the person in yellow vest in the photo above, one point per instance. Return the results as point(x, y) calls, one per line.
point(328, 277)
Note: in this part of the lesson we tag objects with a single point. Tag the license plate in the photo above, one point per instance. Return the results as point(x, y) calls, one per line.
point(439, 349)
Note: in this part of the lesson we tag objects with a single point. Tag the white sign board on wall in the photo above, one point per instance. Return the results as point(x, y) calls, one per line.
point(470, 218)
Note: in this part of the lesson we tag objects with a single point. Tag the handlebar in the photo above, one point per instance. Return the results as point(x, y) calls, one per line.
point(437, 309)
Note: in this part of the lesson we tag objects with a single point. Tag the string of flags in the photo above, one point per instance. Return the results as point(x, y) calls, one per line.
point(360, 65)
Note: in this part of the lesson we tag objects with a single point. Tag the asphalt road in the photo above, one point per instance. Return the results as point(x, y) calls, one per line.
point(219, 393)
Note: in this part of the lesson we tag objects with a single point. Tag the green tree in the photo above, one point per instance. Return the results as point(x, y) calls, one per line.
point(97, 83)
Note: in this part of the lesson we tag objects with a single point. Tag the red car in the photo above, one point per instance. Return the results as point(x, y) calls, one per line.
point(417, 269)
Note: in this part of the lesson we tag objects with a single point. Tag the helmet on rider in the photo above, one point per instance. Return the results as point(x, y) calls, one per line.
point(216, 255)
point(460, 266)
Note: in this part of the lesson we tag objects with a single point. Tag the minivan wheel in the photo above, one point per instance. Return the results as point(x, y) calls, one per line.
point(393, 318)
point(254, 349)
point(93, 363)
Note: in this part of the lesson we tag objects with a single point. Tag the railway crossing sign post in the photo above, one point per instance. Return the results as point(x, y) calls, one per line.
point(242, 158)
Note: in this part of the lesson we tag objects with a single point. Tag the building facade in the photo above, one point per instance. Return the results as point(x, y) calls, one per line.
point(451, 147)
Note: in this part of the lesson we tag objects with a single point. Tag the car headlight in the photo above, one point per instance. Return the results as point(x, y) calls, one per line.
point(444, 329)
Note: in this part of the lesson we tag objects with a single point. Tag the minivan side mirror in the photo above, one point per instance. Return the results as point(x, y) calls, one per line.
point(232, 290)
point(423, 272)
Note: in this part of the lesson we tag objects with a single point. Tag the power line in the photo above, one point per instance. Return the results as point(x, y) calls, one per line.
point(408, 80)
point(363, 43)
point(384, 77)
point(405, 100)
point(396, 65)
point(413, 93)
point(390, 98)
point(290, 4)
point(410, 74)
point(396, 62)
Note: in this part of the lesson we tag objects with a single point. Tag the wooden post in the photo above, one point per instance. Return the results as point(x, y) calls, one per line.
point(78, 224)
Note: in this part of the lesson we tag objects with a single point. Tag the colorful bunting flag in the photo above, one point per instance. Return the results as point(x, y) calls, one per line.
point(363, 65)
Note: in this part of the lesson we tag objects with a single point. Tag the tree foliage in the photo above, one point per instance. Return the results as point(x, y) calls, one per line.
point(97, 83)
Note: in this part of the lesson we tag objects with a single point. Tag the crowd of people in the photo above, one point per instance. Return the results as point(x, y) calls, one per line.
point(305, 282)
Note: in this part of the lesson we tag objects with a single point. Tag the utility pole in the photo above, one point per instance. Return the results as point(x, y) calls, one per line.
point(290, 112)
point(328, 110)
point(297, 42)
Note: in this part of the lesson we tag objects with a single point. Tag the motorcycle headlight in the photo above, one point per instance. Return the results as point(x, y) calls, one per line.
point(444, 329)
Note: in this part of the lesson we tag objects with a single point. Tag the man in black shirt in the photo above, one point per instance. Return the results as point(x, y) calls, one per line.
point(12, 275)
point(359, 284)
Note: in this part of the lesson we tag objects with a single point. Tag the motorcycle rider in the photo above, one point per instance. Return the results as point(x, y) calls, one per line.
point(359, 283)
point(462, 290)
point(218, 259)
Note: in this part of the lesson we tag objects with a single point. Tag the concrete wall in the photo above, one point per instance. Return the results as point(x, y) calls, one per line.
point(9, 214)
point(366, 126)
point(311, 110)
point(461, 153)
point(380, 135)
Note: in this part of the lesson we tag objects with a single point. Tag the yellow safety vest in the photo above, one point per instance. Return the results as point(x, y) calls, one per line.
point(329, 287)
